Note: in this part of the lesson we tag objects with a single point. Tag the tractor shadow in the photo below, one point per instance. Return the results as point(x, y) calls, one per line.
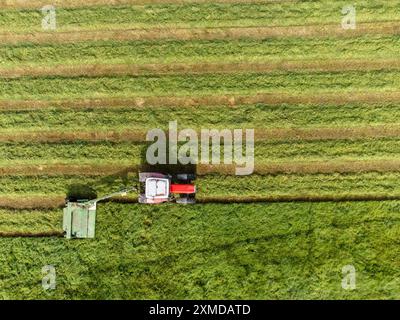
point(106, 184)
point(125, 178)
point(167, 168)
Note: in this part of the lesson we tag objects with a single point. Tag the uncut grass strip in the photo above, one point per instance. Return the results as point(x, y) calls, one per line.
point(277, 98)
point(147, 52)
point(323, 31)
point(98, 70)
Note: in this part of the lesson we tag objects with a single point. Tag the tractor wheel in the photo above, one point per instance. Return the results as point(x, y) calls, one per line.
point(186, 176)
point(186, 200)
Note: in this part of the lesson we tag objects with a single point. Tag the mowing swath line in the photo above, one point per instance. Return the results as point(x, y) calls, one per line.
point(25, 234)
point(67, 169)
point(382, 28)
point(54, 136)
point(55, 202)
point(98, 70)
point(309, 167)
point(31, 202)
point(35, 4)
point(289, 134)
point(277, 98)
point(299, 198)
point(292, 167)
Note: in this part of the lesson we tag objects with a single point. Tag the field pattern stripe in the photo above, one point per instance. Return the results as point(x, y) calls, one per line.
point(34, 4)
point(277, 98)
point(98, 70)
point(381, 28)
point(25, 234)
point(57, 202)
point(67, 169)
point(292, 167)
point(309, 167)
point(281, 134)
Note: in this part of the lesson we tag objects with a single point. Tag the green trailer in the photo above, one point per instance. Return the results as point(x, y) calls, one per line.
point(79, 218)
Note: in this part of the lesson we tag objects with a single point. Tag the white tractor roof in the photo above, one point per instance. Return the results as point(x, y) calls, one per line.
point(157, 188)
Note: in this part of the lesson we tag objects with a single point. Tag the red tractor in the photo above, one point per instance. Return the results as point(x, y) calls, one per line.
point(158, 188)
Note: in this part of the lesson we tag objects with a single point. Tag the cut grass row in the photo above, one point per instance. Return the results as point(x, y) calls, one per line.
point(290, 250)
point(311, 166)
point(197, 15)
point(200, 68)
point(328, 100)
point(184, 85)
point(140, 119)
point(34, 4)
point(131, 153)
point(261, 135)
point(220, 33)
point(271, 50)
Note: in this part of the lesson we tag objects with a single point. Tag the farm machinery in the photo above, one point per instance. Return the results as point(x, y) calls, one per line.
point(158, 188)
point(79, 217)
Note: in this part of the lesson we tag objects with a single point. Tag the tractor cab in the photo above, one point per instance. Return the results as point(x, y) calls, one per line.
point(158, 188)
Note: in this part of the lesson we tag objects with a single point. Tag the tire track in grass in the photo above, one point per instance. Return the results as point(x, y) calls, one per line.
point(271, 99)
point(329, 30)
point(100, 70)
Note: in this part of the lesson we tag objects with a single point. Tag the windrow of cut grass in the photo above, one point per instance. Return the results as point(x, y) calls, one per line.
point(34, 4)
point(327, 100)
point(105, 70)
point(272, 50)
point(128, 153)
point(220, 33)
point(261, 135)
point(183, 85)
point(191, 15)
point(141, 119)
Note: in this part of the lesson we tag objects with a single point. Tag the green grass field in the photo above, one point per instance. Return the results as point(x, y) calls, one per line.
point(346, 83)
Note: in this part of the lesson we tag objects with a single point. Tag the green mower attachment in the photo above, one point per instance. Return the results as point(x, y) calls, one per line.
point(79, 218)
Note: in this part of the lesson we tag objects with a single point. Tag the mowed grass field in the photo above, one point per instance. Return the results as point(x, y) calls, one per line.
point(76, 104)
